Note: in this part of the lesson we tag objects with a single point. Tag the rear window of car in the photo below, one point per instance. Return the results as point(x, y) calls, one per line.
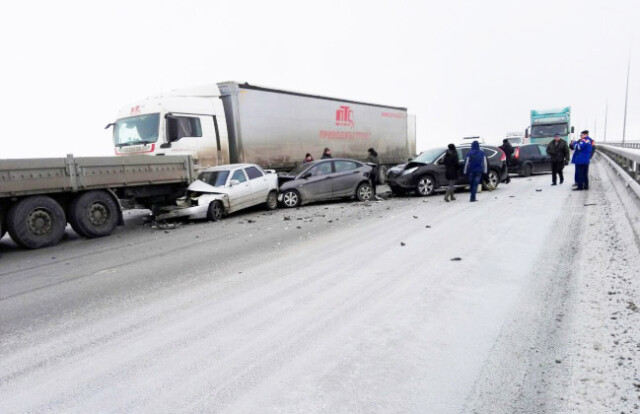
point(253, 172)
point(529, 150)
point(344, 165)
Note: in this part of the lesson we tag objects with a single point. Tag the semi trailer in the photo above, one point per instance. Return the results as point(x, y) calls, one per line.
point(233, 122)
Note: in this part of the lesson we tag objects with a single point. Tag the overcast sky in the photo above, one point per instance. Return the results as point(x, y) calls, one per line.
point(462, 67)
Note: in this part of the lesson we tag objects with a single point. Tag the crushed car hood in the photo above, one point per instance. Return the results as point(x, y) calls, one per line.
point(202, 187)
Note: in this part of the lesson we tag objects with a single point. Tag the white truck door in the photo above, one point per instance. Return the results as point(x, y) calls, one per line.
point(193, 135)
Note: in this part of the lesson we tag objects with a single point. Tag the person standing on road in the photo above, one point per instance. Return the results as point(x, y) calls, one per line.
point(475, 166)
point(507, 148)
point(326, 153)
point(558, 150)
point(374, 162)
point(451, 171)
point(581, 158)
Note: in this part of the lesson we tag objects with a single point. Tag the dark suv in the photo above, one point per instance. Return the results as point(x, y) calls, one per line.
point(426, 173)
point(529, 159)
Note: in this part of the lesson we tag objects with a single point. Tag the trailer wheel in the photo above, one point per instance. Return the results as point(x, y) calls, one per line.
point(93, 214)
point(36, 222)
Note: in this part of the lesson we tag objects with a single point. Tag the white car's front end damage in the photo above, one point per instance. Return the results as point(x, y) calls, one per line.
point(195, 204)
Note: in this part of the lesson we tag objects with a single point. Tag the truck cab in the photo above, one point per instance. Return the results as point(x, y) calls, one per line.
point(545, 124)
point(179, 123)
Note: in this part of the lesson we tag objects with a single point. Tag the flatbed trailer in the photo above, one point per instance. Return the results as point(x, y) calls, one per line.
point(38, 197)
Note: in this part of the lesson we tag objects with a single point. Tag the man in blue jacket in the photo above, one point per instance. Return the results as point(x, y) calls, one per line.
point(475, 166)
point(581, 158)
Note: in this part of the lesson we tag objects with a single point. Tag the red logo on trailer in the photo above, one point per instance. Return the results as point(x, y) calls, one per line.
point(344, 117)
point(135, 110)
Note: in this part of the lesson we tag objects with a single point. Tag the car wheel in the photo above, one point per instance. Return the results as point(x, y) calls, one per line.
point(291, 198)
point(425, 186)
point(272, 200)
point(214, 213)
point(492, 181)
point(527, 170)
point(35, 222)
point(364, 192)
point(93, 214)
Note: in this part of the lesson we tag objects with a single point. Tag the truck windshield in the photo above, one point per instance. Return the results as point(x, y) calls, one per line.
point(214, 178)
point(539, 131)
point(429, 156)
point(141, 129)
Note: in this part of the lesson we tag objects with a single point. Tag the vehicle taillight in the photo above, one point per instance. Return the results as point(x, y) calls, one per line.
point(516, 155)
point(503, 157)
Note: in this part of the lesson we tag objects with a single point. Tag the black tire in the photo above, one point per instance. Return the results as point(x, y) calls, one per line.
point(527, 170)
point(36, 222)
point(215, 211)
point(3, 228)
point(291, 198)
point(492, 180)
point(425, 186)
point(382, 175)
point(364, 192)
point(272, 200)
point(93, 214)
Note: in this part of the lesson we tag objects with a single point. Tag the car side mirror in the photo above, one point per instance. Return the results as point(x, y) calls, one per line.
point(572, 129)
point(306, 175)
point(440, 161)
point(234, 182)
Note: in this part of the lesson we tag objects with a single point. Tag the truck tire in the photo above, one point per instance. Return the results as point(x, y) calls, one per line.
point(35, 222)
point(93, 214)
point(272, 200)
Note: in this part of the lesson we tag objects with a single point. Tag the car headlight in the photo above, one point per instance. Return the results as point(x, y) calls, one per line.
point(409, 171)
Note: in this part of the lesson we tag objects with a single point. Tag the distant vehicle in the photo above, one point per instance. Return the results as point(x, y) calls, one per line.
point(529, 159)
point(426, 173)
point(515, 140)
point(223, 190)
point(469, 140)
point(545, 124)
point(324, 180)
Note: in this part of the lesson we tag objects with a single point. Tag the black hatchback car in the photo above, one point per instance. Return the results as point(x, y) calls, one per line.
point(528, 159)
point(426, 173)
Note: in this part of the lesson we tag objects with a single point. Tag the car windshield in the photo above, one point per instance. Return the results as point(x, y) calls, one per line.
point(298, 169)
point(429, 156)
point(539, 131)
point(141, 129)
point(214, 178)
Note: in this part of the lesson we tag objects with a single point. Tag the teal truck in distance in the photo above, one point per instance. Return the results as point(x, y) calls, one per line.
point(545, 124)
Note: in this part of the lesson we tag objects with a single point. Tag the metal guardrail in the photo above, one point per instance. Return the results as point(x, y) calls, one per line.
point(634, 144)
point(628, 158)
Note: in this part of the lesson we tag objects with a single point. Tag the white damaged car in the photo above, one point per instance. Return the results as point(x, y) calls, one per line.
point(225, 189)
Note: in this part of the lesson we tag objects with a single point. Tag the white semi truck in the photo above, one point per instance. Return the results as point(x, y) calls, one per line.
point(236, 123)
point(185, 131)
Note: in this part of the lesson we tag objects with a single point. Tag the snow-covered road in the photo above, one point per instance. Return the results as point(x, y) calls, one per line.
point(338, 308)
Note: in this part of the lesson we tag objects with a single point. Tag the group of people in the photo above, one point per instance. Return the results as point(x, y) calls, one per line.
point(476, 165)
point(325, 154)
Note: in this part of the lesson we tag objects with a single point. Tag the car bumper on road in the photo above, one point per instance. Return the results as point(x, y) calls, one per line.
point(196, 212)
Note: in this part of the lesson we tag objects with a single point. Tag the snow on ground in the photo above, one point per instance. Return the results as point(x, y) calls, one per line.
point(336, 307)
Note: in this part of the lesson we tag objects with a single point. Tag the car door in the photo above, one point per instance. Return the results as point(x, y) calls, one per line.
point(259, 185)
point(346, 177)
point(462, 155)
point(440, 170)
point(545, 160)
point(239, 190)
point(316, 183)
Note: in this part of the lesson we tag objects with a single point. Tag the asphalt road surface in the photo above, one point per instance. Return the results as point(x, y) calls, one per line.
point(339, 307)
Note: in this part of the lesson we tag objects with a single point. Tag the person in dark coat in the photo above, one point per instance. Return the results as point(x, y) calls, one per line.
point(507, 148)
point(326, 153)
point(307, 158)
point(451, 171)
point(374, 162)
point(475, 166)
point(558, 150)
point(581, 158)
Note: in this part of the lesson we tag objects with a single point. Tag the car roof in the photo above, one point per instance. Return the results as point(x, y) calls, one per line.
point(228, 167)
